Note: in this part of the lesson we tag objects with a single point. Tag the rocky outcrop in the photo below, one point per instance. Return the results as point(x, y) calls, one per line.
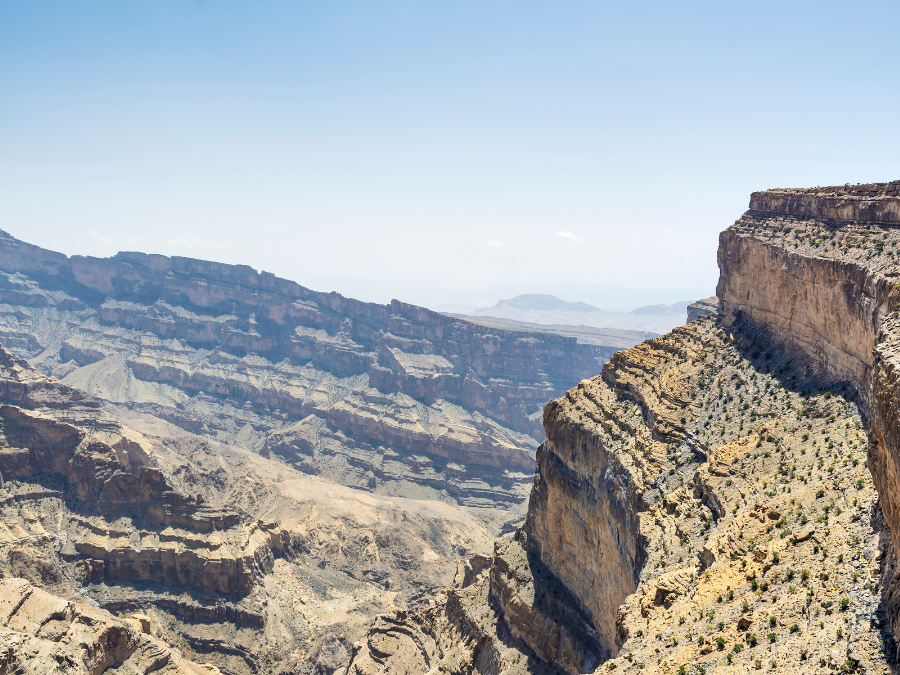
point(837, 246)
point(241, 356)
point(124, 521)
point(706, 503)
point(706, 306)
point(681, 495)
point(506, 614)
point(41, 633)
point(814, 287)
point(870, 202)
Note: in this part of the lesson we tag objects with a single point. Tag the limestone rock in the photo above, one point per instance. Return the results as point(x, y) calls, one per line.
point(241, 356)
point(41, 633)
point(706, 306)
point(687, 498)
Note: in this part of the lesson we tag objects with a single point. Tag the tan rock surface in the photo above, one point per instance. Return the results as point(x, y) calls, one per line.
point(705, 505)
point(42, 634)
point(238, 356)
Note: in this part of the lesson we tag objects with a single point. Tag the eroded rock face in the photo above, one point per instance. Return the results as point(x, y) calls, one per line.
point(41, 633)
point(707, 501)
point(794, 277)
point(406, 400)
point(679, 496)
point(506, 614)
point(834, 245)
point(123, 520)
point(870, 202)
point(702, 307)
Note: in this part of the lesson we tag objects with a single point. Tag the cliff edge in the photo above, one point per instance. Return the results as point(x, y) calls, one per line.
point(723, 498)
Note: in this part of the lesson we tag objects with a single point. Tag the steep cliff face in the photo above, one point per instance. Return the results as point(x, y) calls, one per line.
point(838, 247)
point(125, 521)
point(868, 203)
point(698, 490)
point(707, 502)
point(43, 634)
point(393, 398)
point(813, 284)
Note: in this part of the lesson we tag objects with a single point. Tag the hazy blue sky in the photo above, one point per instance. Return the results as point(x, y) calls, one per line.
point(447, 154)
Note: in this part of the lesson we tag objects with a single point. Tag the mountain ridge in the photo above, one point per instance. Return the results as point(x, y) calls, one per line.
point(540, 309)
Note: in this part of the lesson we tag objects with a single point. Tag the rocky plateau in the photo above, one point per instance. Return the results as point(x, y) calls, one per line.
point(722, 499)
point(395, 399)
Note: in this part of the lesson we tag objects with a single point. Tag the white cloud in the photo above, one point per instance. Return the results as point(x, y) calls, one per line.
point(103, 240)
point(494, 242)
point(192, 243)
point(118, 243)
point(568, 235)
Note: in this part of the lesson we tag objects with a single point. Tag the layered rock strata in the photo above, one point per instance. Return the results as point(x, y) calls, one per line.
point(839, 246)
point(41, 633)
point(695, 490)
point(706, 306)
point(118, 515)
point(709, 502)
point(694, 472)
point(403, 400)
point(869, 202)
point(235, 557)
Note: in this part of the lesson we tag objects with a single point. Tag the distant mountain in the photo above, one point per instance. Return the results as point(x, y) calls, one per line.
point(550, 310)
point(542, 303)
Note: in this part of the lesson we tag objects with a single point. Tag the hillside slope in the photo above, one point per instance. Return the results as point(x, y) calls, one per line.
point(393, 398)
point(720, 499)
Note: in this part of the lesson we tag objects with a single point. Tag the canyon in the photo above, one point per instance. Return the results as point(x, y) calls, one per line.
point(252, 469)
point(242, 475)
point(723, 498)
point(395, 399)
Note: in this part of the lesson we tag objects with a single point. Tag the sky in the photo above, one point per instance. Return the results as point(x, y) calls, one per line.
point(447, 154)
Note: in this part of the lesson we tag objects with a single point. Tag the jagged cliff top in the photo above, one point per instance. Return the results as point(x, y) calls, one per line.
point(869, 244)
point(846, 190)
point(872, 202)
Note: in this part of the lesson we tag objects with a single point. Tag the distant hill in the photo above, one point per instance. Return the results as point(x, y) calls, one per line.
point(550, 310)
point(616, 338)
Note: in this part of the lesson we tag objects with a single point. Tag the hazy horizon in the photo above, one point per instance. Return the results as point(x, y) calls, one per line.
point(446, 155)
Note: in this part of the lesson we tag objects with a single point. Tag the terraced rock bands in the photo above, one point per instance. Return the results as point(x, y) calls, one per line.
point(390, 398)
point(723, 498)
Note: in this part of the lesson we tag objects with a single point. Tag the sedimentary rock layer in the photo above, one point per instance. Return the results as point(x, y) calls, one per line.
point(696, 470)
point(707, 501)
point(41, 633)
point(452, 408)
point(870, 202)
point(706, 306)
point(124, 521)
